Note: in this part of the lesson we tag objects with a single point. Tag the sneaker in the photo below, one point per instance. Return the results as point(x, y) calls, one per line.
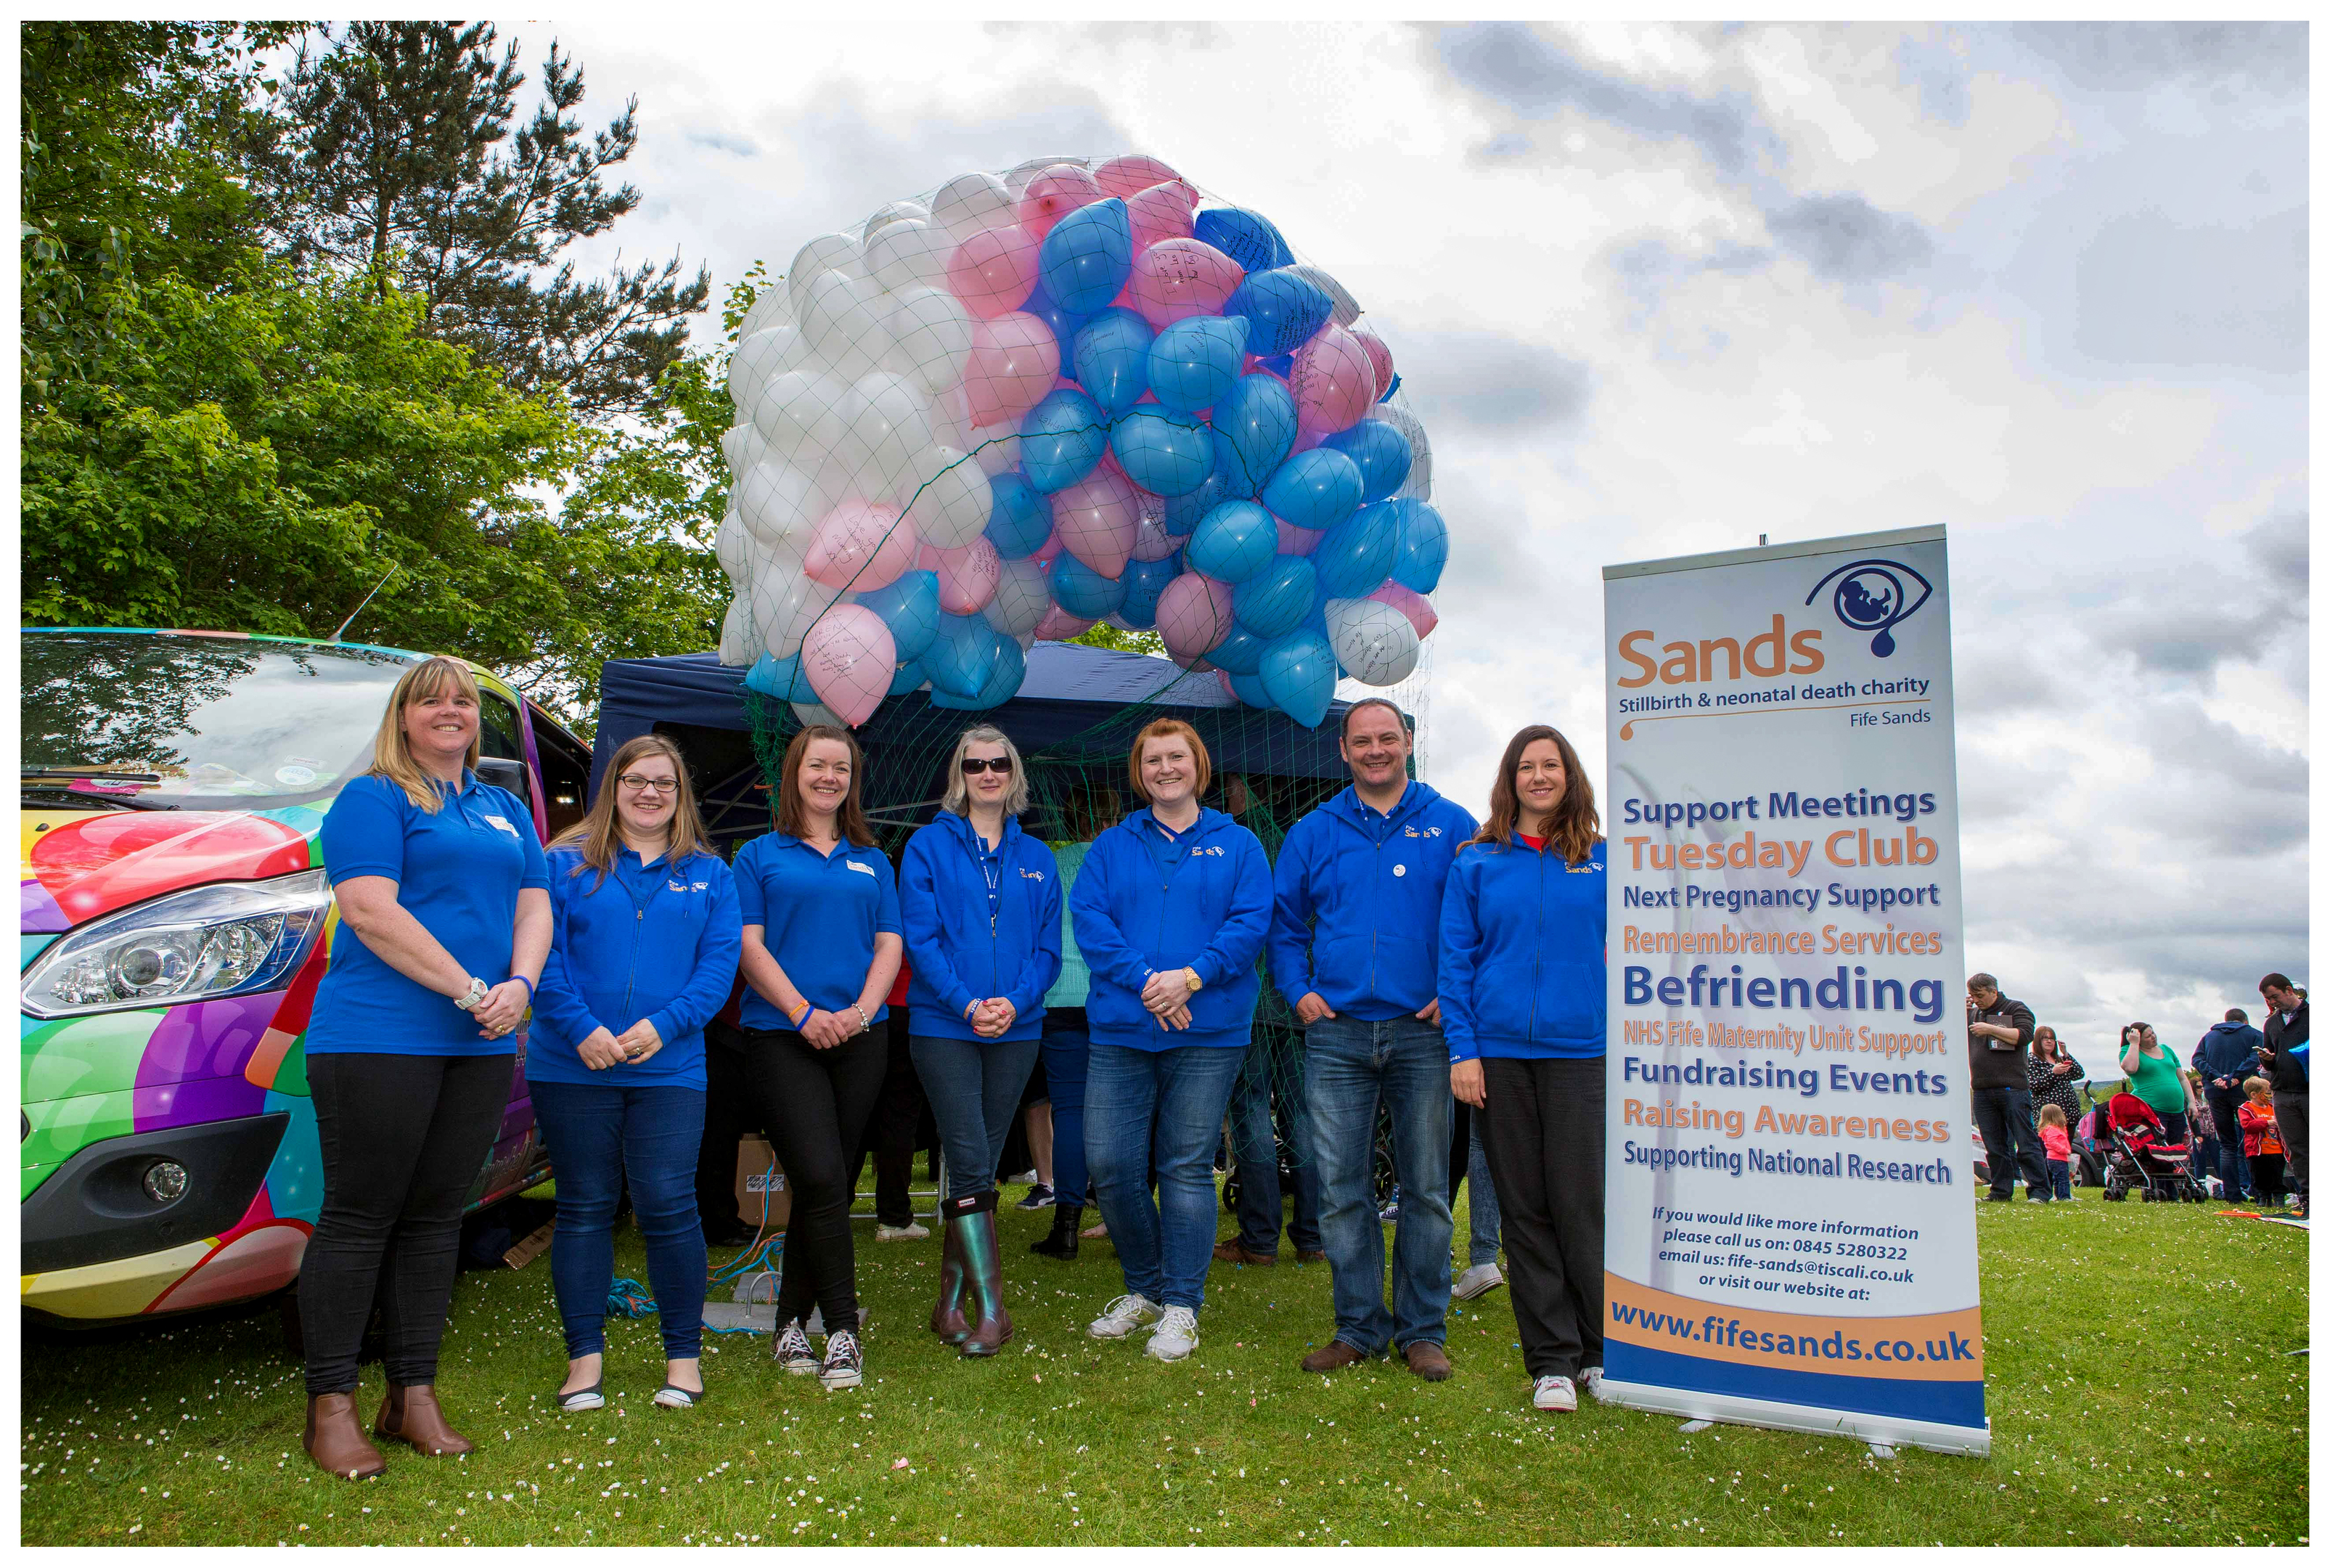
point(1024, 1178)
point(1124, 1315)
point(1176, 1335)
point(1478, 1280)
point(794, 1351)
point(844, 1367)
point(1591, 1377)
point(1555, 1393)
point(1039, 1196)
point(909, 1232)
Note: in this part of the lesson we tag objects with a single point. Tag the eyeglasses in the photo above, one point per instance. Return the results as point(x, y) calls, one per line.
point(639, 784)
point(998, 764)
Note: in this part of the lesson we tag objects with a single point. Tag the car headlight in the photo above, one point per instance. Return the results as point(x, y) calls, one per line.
point(223, 940)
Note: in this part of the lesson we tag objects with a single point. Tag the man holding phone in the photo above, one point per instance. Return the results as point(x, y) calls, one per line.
point(1998, 1034)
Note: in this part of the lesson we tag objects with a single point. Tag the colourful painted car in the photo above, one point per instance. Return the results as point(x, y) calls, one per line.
point(176, 920)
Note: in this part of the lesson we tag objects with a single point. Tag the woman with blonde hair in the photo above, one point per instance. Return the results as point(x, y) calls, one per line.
point(980, 900)
point(444, 920)
point(645, 953)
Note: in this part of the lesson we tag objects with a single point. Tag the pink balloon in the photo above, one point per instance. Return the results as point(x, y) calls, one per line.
point(1193, 614)
point(1407, 602)
point(968, 577)
point(993, 271)
point(1049, 550)
point(1224, 677)
point(850, 658)
point(1150, 542)
point(1133, 173)
point(1057, 625)
point(1096, 519)
point(1174, 279)
point(1334, 382)
point(1295, 541)
point(860, 546)
point(1379, 355)
point(1161, 213)
point(1054, 195)
point(1014, 360)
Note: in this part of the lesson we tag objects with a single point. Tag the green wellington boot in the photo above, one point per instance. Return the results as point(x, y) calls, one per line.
point(982, 1273)
point(947, 1320)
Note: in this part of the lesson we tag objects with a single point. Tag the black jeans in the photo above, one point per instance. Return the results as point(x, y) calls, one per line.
point(2009, 1140)
point(727, 1118)
point(893, 1130)
point(402, 1140)
point(815, 1105)
point(1542, 1130)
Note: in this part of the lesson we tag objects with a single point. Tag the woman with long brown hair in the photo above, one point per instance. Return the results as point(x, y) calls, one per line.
point(1522, 972)
point(821, 947)
point(644, 955)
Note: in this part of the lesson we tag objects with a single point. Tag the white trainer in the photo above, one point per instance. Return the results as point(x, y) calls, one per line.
point(794, 1353)
point(845, 1365)
point(1478, 1280)
point(1591, 1377)
point(1124, 1315)
point(1555, 1393)
point(912, 1230)
point(1176, 1335)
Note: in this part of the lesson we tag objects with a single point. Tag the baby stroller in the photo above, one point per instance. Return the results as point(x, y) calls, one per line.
point(2142, 1158)
point(2091, 1144)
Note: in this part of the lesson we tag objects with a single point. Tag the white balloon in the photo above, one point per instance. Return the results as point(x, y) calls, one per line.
point(997, 447)
point(779, 501)
point(1419, 448)
point(842, 320)
point(1022, 594)
point(785, 605)
point(731, 547)
point(742, 445)
point(951, 419)
point(908, 254)
point(947, 498)
point(1017, 179)
point(826, 253)
point(772, 307)
point(1372, 640)
point(891, 212)
point(818, 713)
point(930, 332)
point(889, 425)
point(967, 204)
point(1347, 309)
point(1026, 640)
point(1150, 542)
point(761, 358)
point(738, 643)
point(800, 415)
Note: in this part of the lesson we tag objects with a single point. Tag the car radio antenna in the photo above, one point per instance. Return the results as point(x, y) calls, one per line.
point(367, 599)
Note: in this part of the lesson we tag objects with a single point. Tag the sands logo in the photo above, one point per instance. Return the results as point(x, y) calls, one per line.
point(1767, 655)
point(1031, 876)
point(1871, 597)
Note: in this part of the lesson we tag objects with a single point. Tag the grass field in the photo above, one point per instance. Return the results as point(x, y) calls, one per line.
point(2141, 1390)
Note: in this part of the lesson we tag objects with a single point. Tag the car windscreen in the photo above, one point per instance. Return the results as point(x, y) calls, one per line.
point(219, 723)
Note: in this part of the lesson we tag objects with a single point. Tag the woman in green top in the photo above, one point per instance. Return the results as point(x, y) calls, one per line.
point(2155, 1076)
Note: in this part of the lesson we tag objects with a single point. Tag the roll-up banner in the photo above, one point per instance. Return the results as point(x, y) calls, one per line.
point(1790, 1237)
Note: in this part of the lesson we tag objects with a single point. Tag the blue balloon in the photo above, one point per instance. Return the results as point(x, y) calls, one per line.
point(1021, 519)
point(1356, 555)
point(961, 656)
point(1422, 544)
point(1240, 653)
point(1196, 360)
point(1314, 490)
point(909, 677)
point(1112, 359)
point(1087, 256)
point(780, 678)
point(1283, 310)
point(1274, 602)
point(1004, 677)
point(910, 608)
point(1184, 513)
point(1236, 541)
point(1277, 364)
point(1165, 454)
point(1381, 453)
point(1082, 592)
point(1144, 581)
point(1299, 674)
point(1254, 429)
point(1065, 324)
point(1248, 688)
point(1249, 238)
point(1061, 439)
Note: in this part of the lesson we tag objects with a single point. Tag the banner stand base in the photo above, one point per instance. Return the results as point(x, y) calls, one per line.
point(1877, 1432)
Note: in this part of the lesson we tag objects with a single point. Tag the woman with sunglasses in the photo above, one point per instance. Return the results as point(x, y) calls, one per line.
point(644, 955)
point(980, 903)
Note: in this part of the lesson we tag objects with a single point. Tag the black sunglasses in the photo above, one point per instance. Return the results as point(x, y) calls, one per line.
point(987, 765)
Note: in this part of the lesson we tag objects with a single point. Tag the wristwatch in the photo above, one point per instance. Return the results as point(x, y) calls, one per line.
point(468, 1000)
point(1197, 980)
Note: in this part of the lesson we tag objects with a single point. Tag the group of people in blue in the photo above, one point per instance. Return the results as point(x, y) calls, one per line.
point(1429, 957)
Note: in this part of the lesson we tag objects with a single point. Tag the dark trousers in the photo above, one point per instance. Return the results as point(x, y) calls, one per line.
point(1544, 1136)
point(402, 1140)
point(974, 1090)
point(2010, 1140)
point(2059, 1180)
point(815, 1105)
point(2296, 1137)
point(2265, 1171)
point(1066, 1051)
point(1271, 1074)
point(727, 1118)
point(892, 1131)
point(598, 1134)
point(2233, 1165)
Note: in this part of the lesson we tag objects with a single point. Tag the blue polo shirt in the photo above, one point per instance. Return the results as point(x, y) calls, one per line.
point(818, 915)
point(458, 870)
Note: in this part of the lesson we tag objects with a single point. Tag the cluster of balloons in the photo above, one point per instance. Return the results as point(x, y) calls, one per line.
point(1069, 393)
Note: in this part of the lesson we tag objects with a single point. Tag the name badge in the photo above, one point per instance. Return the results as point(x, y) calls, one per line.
point(501, 823)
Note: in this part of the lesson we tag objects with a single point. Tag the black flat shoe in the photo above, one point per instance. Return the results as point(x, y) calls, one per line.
point(671, 1396)
point(582, 1398)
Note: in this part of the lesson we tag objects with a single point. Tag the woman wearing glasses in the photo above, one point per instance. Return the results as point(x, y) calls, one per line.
point(646, 950)
point(980, 903)
point(820, 909)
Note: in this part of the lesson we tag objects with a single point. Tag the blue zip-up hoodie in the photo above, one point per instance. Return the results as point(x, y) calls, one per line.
point(1374, 884)
point(2228, 1050)
point(657, 942)
point(1146, 901)
point(1524, 955)
point(961, 951)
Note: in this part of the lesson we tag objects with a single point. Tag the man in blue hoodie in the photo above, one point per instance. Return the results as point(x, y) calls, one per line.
point(2225, 1059)
point(1354, 948)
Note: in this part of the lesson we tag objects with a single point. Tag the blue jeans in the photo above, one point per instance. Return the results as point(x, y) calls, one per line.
point(1168, 1105)
point(1065, 1054)
point(2059, 1179)
point(973, 1088)
point(1273, 1072)
point(1351, 1064)
point(596, 1134)
point(1488, 1229)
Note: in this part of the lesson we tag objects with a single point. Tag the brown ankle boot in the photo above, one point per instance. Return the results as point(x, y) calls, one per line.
point(335, 1438)
point(410, 1414)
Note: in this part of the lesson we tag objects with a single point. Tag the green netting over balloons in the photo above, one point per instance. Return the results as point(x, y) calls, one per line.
point(1072, 392)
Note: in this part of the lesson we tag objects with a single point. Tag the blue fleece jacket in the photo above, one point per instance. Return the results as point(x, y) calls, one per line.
point(2228, 1050)
point(965, 945)
point(1524, 958)
point(1148, 899)
point(659, 942)
point(1373, 884)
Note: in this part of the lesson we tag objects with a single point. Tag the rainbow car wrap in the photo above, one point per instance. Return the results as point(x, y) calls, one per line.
point(169, 1156)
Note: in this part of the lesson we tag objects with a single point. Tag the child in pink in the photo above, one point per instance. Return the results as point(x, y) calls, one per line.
point(2055, 1136)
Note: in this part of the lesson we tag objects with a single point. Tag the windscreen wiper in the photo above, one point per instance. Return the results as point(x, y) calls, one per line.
point(73, 786)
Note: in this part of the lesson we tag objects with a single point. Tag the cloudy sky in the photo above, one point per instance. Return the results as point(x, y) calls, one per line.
point(1658, 289)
